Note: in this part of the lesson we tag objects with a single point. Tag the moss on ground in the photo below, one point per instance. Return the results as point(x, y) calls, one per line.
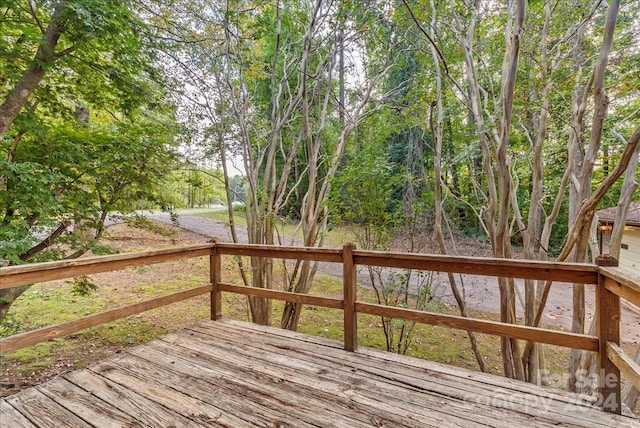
point(54, 302)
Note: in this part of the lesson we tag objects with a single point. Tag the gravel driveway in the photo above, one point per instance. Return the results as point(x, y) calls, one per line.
point(481, 293)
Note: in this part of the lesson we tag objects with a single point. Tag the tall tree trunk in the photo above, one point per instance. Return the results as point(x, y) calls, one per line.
point(583, 192)
point(437, 137)
point(44, 58)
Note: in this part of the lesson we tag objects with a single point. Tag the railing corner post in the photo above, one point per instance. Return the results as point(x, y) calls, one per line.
point(350, 297)
point(215, 271)
point(608, 329)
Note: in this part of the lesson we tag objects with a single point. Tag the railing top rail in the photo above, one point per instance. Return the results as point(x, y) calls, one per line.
point(487, 266)
point(13, 276)
point(281, 251)
point(571, 272)
point(622, 276)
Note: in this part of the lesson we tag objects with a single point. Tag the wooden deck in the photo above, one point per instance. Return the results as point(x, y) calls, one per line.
point(228, 373)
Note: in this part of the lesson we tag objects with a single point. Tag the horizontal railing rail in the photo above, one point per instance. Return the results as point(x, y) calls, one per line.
point(612, 285)
point(13, 276)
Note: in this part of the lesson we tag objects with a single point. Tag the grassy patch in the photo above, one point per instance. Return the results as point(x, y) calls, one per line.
point(336, 237)
point(54, 302)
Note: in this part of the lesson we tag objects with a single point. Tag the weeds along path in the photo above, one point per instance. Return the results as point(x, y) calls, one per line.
point(481, 293)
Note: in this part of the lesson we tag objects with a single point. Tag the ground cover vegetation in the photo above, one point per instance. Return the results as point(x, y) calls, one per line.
point(403, 121)
point(48, 303)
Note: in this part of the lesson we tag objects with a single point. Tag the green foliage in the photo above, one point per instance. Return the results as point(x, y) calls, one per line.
point(363, 198)
point(82, 286)
point(193, 187)
point(56, 166)
point(10, 325)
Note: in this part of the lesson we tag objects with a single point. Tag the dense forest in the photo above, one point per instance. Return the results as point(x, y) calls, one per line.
point(508, 121)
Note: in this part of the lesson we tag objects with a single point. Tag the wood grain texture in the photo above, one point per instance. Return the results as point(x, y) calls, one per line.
point(11, 418)
point(540, 335)
point(215, 274)
point(565, 272)
point(286, 296)
point(627, 366)
point(350, 296)
point(623, 285)
point(230, 373)
point(281, 252)
point(43, 334)
point(13, 276)
point(608, 329)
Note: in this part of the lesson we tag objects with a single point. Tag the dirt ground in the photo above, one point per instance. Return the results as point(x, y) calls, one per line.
point(83, 349)
point(481, 294)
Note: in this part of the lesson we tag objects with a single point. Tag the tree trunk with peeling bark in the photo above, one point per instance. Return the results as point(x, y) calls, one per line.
point(437, 139)
point(584, 175)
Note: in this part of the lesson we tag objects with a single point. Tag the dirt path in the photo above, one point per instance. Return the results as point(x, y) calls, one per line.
point(481, 293)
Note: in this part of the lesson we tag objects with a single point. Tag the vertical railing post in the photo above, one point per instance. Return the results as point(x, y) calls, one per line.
point(215, 271)
point(608, 327)
point(350, 296)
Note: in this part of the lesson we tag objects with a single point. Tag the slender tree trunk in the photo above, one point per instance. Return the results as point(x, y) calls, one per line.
point(44, 58)
point(437, 137)
point(600, 103)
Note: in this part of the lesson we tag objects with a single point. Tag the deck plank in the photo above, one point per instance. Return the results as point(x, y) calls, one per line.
point(345, 382)
point(229, 373)
point(141, 408)
point(11, 418)
point(491, 399)
point(455, 399)
point(286, 386)
point(170, 398)
point(84, 405)
point(43, 411)
point(191, 379)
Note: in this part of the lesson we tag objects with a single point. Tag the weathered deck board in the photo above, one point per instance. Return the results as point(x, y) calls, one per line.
point(234, 374)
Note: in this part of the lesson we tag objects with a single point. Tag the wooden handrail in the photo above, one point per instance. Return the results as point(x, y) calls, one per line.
point(612, 285)
point(540, 335)
point(33, 337)
point(282, 252)
point(13, 276)
point(305, 299)
point(622, 284)
point(580, 273)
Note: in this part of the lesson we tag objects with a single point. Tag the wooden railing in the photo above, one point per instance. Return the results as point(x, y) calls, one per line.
point(612, 285)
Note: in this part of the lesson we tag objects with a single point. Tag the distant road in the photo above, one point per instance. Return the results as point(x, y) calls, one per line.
point(481, 292)
point(187, 220)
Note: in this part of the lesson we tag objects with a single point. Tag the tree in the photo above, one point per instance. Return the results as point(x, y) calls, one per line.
point(265, 85)
point(86, 129)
